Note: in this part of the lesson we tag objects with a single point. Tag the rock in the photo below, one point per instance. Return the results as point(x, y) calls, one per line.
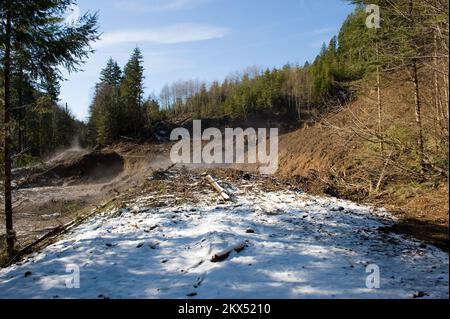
point(192, 294)
point(420, 294)
point(250, 231)
point(28, 274)
point(151, 229)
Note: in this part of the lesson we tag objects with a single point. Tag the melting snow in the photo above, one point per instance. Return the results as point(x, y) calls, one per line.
point(298, 246)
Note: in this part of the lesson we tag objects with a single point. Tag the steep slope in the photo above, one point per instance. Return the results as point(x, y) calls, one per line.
point(336, 157)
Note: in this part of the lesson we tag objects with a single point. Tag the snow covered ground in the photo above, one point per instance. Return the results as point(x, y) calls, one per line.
point(297, 246)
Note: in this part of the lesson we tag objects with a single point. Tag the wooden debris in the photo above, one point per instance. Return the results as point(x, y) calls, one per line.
point(226, 253)
point(218, 188)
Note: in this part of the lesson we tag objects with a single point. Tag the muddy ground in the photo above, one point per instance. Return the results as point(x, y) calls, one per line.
point(76, 181)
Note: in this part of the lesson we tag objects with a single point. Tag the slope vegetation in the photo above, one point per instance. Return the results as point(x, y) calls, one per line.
point(337, 157)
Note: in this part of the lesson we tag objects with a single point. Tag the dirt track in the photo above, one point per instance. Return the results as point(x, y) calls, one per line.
point(76, 181)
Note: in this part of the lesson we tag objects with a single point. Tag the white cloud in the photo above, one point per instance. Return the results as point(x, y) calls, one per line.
point(324, 30)
point(156, 5)
point(172, 34)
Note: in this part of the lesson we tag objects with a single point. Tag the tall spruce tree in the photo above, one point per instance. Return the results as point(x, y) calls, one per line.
point(111, 74)
point(106, 110)
point(37, 31)
point(131, 94)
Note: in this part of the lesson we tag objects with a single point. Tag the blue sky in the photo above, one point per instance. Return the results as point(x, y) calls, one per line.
point(202, 39)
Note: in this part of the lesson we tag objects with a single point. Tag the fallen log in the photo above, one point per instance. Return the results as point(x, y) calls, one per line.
point(218, 188)
point(129, 138)
point(226, 253)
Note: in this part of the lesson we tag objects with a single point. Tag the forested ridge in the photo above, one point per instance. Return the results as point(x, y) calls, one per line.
point(413, 36)
point(411, 46)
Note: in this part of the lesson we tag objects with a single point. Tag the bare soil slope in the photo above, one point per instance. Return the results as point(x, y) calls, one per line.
point(75, 182)
point(315, 155)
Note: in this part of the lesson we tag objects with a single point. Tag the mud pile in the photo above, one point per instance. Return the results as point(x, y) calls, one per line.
point(94, 167)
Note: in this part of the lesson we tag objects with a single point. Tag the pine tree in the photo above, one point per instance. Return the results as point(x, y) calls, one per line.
point(106, 112)
point(131, 94)
point(111, 74)
point(34, 29)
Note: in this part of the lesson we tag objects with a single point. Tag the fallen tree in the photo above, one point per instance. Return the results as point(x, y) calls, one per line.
point(218, 188)
point(226, 253)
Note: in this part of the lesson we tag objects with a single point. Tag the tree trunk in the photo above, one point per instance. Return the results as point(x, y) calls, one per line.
point(299, 107)
point(10, 237)
point(380, 112)
point(437, 95)
point(420, 143)
point(446, 100)
point(380, 106)
point(20, 109)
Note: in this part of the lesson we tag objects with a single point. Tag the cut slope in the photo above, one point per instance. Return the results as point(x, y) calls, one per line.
point(334, 149)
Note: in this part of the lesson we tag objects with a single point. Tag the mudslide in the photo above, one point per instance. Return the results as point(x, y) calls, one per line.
point(74, 182)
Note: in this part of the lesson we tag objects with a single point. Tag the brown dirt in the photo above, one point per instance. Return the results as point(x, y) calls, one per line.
point(77, 183)
point(94, 167)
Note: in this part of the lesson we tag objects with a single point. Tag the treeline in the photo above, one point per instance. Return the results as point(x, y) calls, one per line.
point(410, 45)
point(301, 90)
point(39, 124)
point(119, 108)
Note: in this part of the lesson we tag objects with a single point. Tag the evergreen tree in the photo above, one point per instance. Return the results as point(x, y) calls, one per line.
point(106, 110)
point(35, 30)
point(106, 114)
point(131, 94)
point(111, 74)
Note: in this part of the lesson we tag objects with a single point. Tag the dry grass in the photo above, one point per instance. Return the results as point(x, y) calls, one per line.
point(336, 157)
